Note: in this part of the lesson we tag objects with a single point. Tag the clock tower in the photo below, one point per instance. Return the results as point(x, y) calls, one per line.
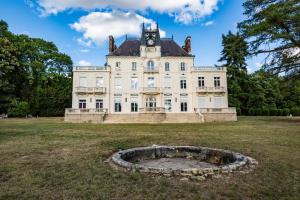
point(150, 40)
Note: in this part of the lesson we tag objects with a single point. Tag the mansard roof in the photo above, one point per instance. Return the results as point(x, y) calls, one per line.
point(131, 47)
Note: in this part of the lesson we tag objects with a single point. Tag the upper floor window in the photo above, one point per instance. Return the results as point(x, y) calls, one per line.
point(99, 103)
point(82, 104)
point(217, 82)
point(150, 65)
point(82, 82)
point(182, 66)
point(201, 82)
point(182, 84)
point(134, 83)
point(133, 67)
point(167, 66)
point(151, 82)
point(167, 82)
point(118, 66)
point(118, 83)
point(99, 82)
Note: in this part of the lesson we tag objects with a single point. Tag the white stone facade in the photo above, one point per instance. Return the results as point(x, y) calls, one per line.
point(149, 83)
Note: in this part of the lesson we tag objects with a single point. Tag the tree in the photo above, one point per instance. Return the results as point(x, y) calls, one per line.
point(273, 28)
point(234, 53)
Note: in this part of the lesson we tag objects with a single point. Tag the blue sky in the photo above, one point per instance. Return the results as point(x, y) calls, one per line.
point(80, 28)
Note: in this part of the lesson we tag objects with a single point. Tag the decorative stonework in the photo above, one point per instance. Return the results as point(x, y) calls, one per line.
point(187, 161)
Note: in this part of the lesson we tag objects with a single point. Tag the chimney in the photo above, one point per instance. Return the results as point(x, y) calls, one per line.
point(112, 46)
point(187, 45)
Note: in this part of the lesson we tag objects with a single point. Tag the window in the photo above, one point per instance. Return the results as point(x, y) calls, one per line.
point(134, 83)
point(99, 103)
point(217, 82)
point(82, 104)
point(182, 66)
point(168, 105)
point(118, 83)
point(118, 66)
point(82, 82)
point(99, 82)
point(167, 66)
point(118, 105)
point(150, 65)
point(167, 82)
point(202, 102)
point(134, 104)
point(218, 102)
point(151, 103)
point(182, 84)
point(133, 67)
point(183, 104)
point(201, 82)
point(151, 82)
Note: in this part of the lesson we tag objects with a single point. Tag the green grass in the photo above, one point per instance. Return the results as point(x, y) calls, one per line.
point(48, 159)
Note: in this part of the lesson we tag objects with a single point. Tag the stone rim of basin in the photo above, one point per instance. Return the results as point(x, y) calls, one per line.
point(224, 161)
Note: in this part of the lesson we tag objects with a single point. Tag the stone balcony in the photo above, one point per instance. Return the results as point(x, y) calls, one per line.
point(211, 90)
point(90, 90)
point(151, 90)
point(151, 70)
point(77, 111)
point(152, 110)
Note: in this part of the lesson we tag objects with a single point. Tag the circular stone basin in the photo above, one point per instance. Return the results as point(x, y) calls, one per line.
point(188, 161)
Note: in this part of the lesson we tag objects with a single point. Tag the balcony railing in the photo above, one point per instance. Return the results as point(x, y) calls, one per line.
point(89, 68)
point(207, 68)
point(152, 110)
point(94, 90)
point(151, 90)
point(85, 111)
point(215, 110)
point(151, 70)
point(211, 89)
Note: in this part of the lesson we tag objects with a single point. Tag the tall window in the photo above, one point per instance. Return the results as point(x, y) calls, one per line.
point(182, 84)
point(150, 103)
point(182, 66)
point(151, 82)
point(167, 66)
point(134, 83)
point(82, 82)
point(118, 83)
point(134, 105)
point(167, 82)
point(99, 103)
point(118, 66)
point(82, 103)
point(99, 82)
point(201, 82)
point(133, 67)
point(118, 105)
point(183, 104)
point(150, 65)
point(168, 104)
point(217, 82)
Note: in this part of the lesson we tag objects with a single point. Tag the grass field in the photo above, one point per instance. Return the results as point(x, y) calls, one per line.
point(48, 159)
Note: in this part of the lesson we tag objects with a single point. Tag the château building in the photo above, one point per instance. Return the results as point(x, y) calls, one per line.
point(149, 80)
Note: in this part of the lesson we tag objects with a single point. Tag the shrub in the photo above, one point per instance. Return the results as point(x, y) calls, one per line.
point(279, 112)
point(251, 112)
point(273, 112)
point(285, 112)
point(265, 112)
point(258, 112)
point(295, 111)
point(238, 111)
point(20, 109)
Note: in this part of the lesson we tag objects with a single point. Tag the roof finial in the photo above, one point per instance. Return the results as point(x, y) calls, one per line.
point(172, 37)
point(126, 36)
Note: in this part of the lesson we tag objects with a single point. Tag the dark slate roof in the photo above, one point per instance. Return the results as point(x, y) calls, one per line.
point(131, 47)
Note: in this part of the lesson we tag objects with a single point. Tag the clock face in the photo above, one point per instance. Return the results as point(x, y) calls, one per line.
point(150, 42)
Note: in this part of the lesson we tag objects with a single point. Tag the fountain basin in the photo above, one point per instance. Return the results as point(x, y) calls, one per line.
point(187, 161)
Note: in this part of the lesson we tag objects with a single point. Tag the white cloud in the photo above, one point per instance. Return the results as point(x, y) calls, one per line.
point(84, 63)
point(209, 23)
point(84, 50)
point(184, 11)
point(97, 26)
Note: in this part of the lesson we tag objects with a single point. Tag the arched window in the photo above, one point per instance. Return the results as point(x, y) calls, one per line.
point(167, 66)
point(150, 65)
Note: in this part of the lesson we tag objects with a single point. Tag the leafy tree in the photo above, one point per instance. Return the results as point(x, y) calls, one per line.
point(273, 28)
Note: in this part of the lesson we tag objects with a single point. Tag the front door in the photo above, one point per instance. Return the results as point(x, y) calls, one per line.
point(151, 104)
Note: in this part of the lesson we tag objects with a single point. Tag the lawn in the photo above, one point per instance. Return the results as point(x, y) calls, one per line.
point(46, 158)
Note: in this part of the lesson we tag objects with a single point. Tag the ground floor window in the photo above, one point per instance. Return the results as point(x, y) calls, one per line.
point(118, 105)
point(168, 105)
point(183, 106)
point(82, 103)
point(134, 107)
point(99, 103)
point(151, 103)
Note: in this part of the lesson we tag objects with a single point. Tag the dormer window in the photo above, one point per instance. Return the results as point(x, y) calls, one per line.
point(150, 65)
